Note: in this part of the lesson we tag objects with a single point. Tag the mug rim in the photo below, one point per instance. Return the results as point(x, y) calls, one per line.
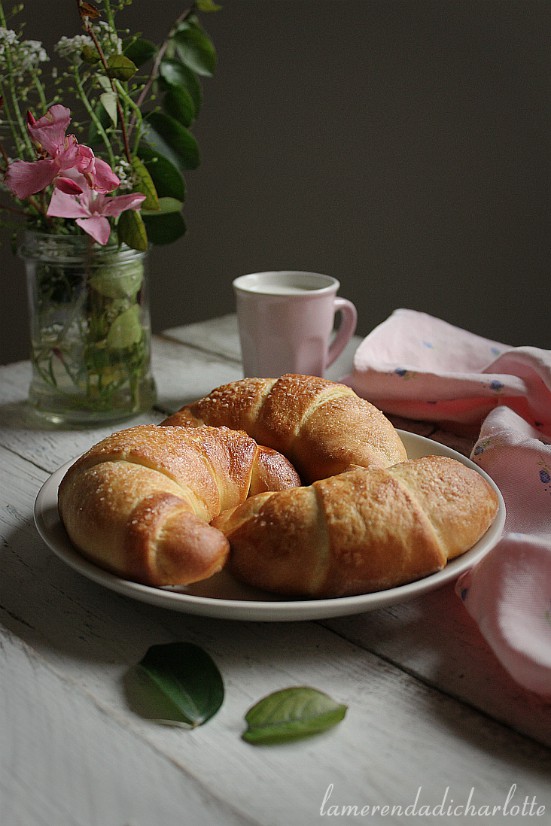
point(331, 283)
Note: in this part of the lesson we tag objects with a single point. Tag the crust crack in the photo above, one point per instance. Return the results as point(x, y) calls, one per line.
point(439, 542)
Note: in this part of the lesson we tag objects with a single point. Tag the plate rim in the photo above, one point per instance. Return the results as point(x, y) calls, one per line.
point(52, 532)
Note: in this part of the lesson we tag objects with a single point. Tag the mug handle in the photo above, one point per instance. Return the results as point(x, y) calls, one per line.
point(349, 319)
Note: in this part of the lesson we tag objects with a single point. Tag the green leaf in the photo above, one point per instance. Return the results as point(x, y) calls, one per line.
point(118, 282)
point(132, 230)
point(178, 103)
point(207, 5)
point(169, 138)
point(166, 177)
point(104, 82)
point(166, 205)
point(94, 138)
point(186, 685)
point(145, 184)
point(109, 102)
point(89, 54)
point(196, 50)
point(121, 67)
point(164, 227)
point(175, 73)
point(139, 50)
point(291, 713)
point(126, 330)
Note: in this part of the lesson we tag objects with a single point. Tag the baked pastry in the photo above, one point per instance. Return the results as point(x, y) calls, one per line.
point(321, 426)
point(139, 502)
point(360, 531)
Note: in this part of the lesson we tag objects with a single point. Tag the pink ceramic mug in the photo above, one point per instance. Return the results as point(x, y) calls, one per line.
point(286, 320)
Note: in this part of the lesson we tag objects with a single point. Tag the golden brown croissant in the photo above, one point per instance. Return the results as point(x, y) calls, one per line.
point(361, 531)
point(322, 427)
point(139, 502)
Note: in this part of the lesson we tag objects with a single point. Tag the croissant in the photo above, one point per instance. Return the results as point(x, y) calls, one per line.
point(321, 426)
point(139, 502)
point(361, 531)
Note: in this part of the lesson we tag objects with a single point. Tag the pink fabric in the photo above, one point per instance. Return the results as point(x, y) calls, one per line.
point(420, 367)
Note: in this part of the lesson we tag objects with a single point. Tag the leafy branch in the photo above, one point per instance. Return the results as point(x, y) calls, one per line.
point(138, 102)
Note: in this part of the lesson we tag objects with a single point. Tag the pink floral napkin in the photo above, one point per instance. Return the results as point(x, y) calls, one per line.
point(422, 368)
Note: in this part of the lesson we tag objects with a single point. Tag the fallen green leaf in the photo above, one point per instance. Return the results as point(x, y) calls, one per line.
point(291, 713)
point(184, 681)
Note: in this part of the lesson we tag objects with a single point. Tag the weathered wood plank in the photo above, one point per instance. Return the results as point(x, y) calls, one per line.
point(435, 639)
point(76, 750)
point(182, 374)
point(66, 759)
point(80, 642)
point(221, 336)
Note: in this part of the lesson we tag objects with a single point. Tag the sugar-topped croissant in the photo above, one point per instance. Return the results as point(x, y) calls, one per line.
point(321, 426)
point(139, 502)
point(361, 531)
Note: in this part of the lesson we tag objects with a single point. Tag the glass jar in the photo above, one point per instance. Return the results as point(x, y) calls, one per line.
point(90, 329)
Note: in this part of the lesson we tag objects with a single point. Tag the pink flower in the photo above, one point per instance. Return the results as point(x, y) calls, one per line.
point(91, 209)
point(98, 173)
point(67, 159)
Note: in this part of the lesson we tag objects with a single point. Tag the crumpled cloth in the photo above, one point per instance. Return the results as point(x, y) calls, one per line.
point(422, 368)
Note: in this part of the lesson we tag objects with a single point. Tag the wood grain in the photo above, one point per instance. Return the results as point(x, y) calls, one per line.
point(428, 706)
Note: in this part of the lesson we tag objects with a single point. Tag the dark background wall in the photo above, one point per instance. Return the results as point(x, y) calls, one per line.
point(402, 146)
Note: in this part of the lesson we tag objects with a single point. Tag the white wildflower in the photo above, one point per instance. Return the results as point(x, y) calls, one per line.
point(70, 48)
point(110, 41)
point(124, 172)
point(32, 52)
point(25, 55)
point(7, 38)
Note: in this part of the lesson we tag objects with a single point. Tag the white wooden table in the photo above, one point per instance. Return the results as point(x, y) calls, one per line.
point(433, 721)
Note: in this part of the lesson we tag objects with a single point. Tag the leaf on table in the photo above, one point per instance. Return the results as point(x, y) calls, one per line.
point(182, 684)
point(291, 713)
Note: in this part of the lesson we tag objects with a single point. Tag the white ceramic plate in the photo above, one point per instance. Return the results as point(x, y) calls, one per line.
point(223, 597)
